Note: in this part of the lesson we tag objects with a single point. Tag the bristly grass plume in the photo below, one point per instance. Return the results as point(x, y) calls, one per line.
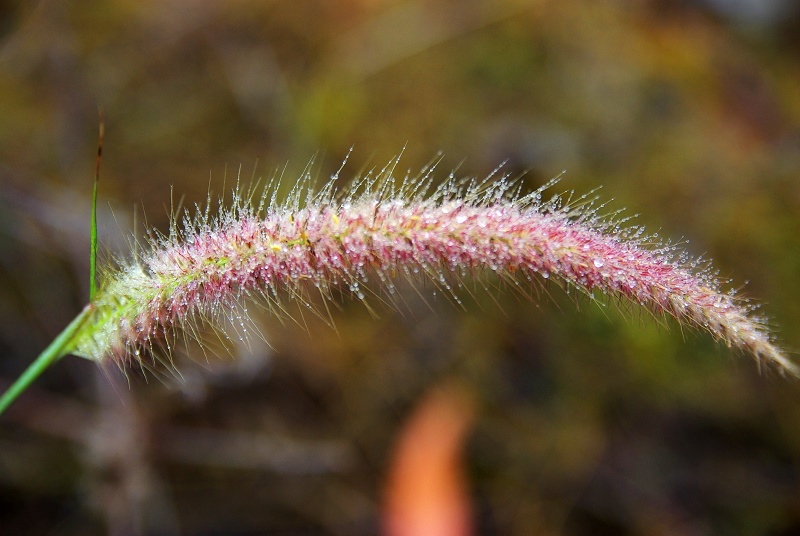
point(381, 229)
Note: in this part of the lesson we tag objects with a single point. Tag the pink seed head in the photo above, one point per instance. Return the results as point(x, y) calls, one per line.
point(209, 265)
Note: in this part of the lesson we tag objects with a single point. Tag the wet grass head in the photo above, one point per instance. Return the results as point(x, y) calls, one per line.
point(361, 240)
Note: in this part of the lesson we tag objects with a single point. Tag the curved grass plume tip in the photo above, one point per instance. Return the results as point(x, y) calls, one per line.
point(381, 229)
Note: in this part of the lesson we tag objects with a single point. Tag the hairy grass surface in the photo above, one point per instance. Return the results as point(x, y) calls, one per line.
point(378, 230)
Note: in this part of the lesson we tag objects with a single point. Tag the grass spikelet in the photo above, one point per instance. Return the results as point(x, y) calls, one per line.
point(322, 239)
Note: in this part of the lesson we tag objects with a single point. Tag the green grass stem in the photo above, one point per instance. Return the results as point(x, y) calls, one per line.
point(55, 351)
point(93, 239)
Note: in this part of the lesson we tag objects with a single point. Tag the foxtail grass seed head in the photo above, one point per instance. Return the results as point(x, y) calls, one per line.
point(379, 230)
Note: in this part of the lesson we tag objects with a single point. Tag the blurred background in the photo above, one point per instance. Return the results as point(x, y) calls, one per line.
point(551, 416)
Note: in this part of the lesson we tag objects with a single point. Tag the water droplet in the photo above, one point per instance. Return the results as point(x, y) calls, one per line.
point(599, 263)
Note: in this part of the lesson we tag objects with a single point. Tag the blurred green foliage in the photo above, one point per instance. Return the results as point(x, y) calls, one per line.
point(594, 418)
